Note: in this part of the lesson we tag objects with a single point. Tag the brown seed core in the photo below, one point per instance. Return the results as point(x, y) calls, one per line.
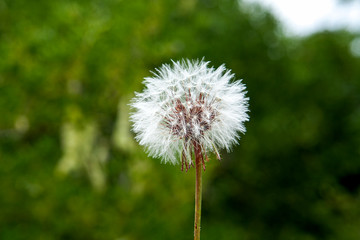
point(190, 120)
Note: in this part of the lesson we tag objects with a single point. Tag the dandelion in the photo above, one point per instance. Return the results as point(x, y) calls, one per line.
point(187, 110)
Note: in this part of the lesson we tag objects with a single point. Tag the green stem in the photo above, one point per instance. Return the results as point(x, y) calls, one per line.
point(198, 188)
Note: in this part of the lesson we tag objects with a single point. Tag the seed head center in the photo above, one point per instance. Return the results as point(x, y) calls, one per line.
point(191, 119)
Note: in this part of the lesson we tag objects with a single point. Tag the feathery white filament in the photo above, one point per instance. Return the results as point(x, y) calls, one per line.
point(189, 102)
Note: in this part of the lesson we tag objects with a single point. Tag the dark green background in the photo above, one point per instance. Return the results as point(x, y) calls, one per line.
point(70, 169)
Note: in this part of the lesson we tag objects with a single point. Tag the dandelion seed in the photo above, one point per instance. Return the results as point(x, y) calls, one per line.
point(203, 108)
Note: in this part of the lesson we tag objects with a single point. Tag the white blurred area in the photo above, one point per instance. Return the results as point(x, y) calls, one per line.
point(303, 17)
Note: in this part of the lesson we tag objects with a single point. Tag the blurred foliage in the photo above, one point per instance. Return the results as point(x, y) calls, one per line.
point(70, 169)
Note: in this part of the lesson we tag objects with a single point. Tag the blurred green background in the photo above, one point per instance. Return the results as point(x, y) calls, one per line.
point(70, 169)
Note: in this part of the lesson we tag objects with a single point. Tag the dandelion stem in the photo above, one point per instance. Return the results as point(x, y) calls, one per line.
point(198, 188)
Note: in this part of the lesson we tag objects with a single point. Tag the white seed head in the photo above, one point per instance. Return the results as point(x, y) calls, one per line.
point(186, 103)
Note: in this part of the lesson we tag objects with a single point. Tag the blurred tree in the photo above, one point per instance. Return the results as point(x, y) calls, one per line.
point(298, 174)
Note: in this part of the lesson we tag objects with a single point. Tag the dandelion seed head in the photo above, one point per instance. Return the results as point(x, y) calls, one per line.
point(189, 102)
